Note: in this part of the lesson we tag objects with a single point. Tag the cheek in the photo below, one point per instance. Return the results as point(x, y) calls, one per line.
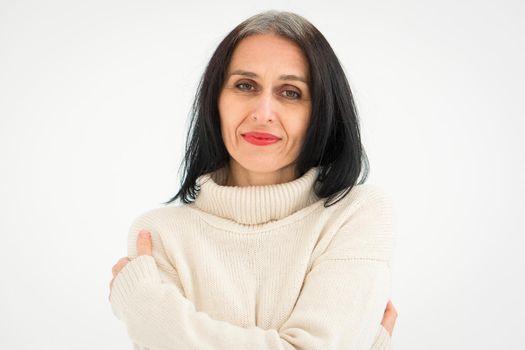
point(220, 104)
point(228, 131)
point(297, 126)
point(229, 119)
point(232, 109)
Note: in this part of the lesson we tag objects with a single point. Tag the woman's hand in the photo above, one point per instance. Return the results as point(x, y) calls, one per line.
point(144, 247)
point(389, 318)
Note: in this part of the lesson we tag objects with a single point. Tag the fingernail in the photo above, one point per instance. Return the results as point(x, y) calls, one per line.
point(144, 234)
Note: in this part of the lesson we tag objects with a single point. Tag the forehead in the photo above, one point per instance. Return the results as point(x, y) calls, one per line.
point(269, 51)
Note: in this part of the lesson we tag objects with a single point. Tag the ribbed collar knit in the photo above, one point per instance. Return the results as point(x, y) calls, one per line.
point(252, 205)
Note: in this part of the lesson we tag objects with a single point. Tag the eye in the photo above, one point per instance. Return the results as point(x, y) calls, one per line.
point(291, 94)
point(244, 86)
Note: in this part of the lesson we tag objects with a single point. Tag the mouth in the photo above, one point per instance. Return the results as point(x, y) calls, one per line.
point(260, 139)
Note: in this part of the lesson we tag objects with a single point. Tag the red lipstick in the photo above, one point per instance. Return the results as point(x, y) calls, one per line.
point(260, 138)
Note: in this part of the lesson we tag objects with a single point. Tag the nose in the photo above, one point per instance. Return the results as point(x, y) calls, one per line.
point(265, 108)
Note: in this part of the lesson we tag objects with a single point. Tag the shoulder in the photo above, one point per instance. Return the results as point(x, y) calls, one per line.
point(160, 222)
point(366, 200)
point(370, 195)
point(366, 225)
point(160, 215)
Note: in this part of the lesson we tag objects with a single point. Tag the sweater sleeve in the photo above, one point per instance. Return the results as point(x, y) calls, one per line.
point(165, 267)
point(340, 305)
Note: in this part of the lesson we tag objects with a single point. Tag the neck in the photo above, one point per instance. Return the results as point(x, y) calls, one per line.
point(242, 177)
point(254, 205)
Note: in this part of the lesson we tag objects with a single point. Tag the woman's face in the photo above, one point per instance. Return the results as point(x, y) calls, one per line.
point(266, 90)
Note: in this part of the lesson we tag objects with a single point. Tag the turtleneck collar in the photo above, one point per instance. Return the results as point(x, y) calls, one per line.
point(252, 205)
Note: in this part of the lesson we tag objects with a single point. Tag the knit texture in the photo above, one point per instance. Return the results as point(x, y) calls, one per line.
point(261, 267)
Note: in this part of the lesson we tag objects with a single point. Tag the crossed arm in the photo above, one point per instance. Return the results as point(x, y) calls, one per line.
point(340, 306)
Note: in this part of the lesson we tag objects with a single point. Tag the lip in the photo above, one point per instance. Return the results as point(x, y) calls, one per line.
point(260, 138)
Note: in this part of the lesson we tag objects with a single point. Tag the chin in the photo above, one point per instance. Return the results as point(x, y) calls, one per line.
point(262, 164)
point(259, 166)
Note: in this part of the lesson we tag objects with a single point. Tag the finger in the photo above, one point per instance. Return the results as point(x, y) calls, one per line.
point(144, 243)
point(119, 265)
point(390, 310)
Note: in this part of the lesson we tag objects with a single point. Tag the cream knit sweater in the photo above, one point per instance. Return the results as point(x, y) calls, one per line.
point(261, 268)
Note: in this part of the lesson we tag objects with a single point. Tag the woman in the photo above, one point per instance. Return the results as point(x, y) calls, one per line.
point(256, 257)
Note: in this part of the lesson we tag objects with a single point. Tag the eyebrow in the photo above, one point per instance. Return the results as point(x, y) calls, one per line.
point(282, 77)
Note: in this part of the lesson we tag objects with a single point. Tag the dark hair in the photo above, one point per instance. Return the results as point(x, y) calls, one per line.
point(332, 139)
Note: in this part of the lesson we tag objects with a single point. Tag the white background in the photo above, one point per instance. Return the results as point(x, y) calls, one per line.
point(94, 100)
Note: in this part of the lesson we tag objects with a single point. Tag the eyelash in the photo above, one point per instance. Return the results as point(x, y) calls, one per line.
point(295, 97)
